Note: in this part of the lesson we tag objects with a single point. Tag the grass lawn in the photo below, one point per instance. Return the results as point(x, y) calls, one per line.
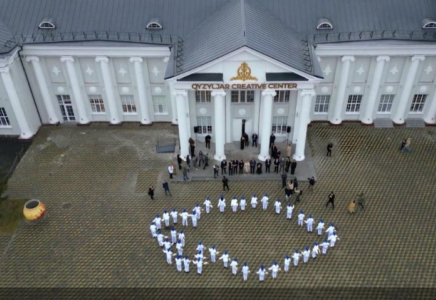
point(11, 213)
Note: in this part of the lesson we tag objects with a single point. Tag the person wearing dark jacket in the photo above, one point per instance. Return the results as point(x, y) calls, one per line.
point(293, 166)
point(223, 167)
point(225, 183)
point(276, 165)
point(284, 177)
point(207, 139)
point(268, 165)
point(179, 161)
point(166, 188)
point(331, 200)
point(288, 164)
point(241, 167)
point(151, 192)
point(252, 165)
point(254, 138)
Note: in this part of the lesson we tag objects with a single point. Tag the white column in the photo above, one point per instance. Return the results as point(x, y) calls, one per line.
point(110, 94)
point(53, 119)
point(403, 104)
point(430, 114)
point(220, 126)
point(267, 104)
point(340, 97)
point(228, 118)
point(304, 115)
point(182, 121)
point(173, 106)
point(256, 113)
point(26, 132)
point(372, 97)
point(83, 115)
point(188, 117)
point(140, 83)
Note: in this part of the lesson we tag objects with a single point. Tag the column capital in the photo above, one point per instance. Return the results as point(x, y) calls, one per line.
point(383, 58)
point(67, 59)
point(32, 58)
point(166, 59)
point(310, 93)
point(136, 59)
point(418, 58)
point(271, 93)
point(347, 58)
point(182, 93)
point(4, 70)
point(102, 59)
point(218, 93)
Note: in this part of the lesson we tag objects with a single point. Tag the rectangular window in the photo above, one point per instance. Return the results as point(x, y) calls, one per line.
point(322, 104)
point(279, 125)
point(385, 104)
point(128, 103)
point(353, 104)
point(160, 107)
point(418, 103)
point(4, 120)
point(205, 124)
point(242, 96)
point(97, 104)
point(282, 96)
point(202, 96)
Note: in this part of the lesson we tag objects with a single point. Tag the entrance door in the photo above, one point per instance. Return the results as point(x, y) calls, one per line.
point(237, 129)
point(66, 108)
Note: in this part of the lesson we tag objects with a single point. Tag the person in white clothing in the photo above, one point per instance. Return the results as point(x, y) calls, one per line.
point(330, 229)
point(245, 270)
point(178, 261)
point(289, 210)
point(169, 255)
point(167, 243)
point(262, 272)
point(315, 250)
point(174, 214)
point(182, 237)
point(166, 218)
point(197, 209)
point(186, 262)
point(200, 255)
point(301, 218)
point(171, 171)
point(200, 247)
point(278, 206)
point(309, 223)
point(153, 229)
point(333, 238)
point(213, 252)
point(234, 265)
point(243, 203)
point(265, 201)
point(325, 245)
point(184, 216)
point(287, 263)
point(225, 259)
point(194, 218)
point(173, 235)
point(222, 204)
point(254, 201)
point(306, 254)
point(274, 269)
point(179, 247)
point(320, 226)
point(199, 264)
point(207, 205)
point(160, 238)
point(158, 221)
point(234, 204)
point(296, 257)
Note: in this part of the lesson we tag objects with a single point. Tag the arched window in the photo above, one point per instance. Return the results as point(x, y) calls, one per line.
point(324, 24)
point(47, 23)
point(154, 24)
point(428, 23)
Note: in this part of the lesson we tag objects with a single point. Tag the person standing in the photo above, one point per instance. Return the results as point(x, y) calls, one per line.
point(274, 269)
point(178, 261)
point(151, 192)
point(320, 227)
point(288, 151)
point(199, 264)
point(254, 201)
point(225, 183)
point(245, 270)
point(153, 229)
point(192, 148)
point(254, 138)
point(207, 205)
point(207, 139)
point(247, 141)
point(213, 252)
point(242, 203)
point(171, 170)
point(230, 167)
point(215, 171)
point(268, 165)
point(301, 218)
point(182, 237)
point(287, 165)
point(166, 188)
point(272, 139)
point(206, 161)
point(225, 258)
point(309, 223)
point(166, 218)
point(276, 165)
point(282, 165)
point(195, 162)
point(265, 201)
point(297, 193)
point(287, 262)
point(185, 173)
point(175, 215)
point(331, 200)
point(296, 257)
point(235, 166)
point(306, 254)
point(223, 167)
point(234, 204)
point(329, 149)
point(262, 272)
point(361, 200)
point(289, 210)
point(221, 203)
point(186, 262)
point(259, 168)
point(184, 216)
point(252, 165)
point(293, 166)
point(169, 255)
point(284, 177)
point(324, 245)
point(201, 156)
point(179, 161)
point(330, 229)
point(315, 250)
point(234, 265)
point(406, 147)
point(311, 183)
point(188, 162)
point(332, 239)
point(241, 167)
point(278, 206)
point(247, 167)
point(352, 207)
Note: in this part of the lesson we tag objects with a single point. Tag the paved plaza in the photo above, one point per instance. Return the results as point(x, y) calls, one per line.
point(94, 182)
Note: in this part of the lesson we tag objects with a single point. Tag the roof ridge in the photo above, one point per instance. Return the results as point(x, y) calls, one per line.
point(243, 20)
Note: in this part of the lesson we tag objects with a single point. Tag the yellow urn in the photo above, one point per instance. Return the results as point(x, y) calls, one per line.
point(34, 210)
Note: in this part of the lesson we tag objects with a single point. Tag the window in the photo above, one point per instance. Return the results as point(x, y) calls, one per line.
point(428, 23)
point(128, 103)
point(205, 125)
point(353, 104)
point(418, 103)
point(322, 104)
point(279, 125)
point(47, 23)
point(202, 96)
point(160, 107)
point(324, 24)
point(154, 24)
point(97, 104)
point(282, 96)
point(242, 96)
point(4, 120)
point(385, 104)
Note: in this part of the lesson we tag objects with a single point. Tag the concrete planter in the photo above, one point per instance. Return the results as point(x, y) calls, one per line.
point(34, 211)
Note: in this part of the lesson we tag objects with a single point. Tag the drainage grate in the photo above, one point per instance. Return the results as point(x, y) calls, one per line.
point(415, 123)
point(383, 123)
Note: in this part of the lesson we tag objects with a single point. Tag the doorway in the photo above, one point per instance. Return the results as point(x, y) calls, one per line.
point(237, 129)
point(66, 108)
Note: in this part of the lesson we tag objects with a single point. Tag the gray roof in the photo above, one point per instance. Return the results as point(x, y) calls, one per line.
point(5, 37)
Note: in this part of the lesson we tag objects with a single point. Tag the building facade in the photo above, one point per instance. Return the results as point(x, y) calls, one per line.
point(241, 64)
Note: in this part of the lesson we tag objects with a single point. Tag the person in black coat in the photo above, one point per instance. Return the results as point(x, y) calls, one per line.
point(241, 167)
point(252, 165)
point(268, 165)
point(207, 139)
point(192, 150)
point(247, 142)
point(272, 139)
point(179, 161)
point(276, 165)
point(284, 177)
point(293, 166)
point(223, 167)
point(254, 138)
point(259, 168)
point(331, 200)
point(288, 165)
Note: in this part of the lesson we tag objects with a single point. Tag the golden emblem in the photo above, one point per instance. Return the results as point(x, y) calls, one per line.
point(244, 73)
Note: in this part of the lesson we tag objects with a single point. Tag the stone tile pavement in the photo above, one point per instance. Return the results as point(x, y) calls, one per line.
point(103, 239)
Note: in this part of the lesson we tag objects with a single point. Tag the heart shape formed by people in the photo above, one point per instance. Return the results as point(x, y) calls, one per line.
point(193, 219)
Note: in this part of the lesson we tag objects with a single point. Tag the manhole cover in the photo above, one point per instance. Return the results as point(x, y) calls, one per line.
point(66, 205)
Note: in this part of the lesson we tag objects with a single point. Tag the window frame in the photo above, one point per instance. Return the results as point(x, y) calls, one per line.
point(205, 128)
point(284, 95)
point(163, 104)
point(358, 103)
point(131, 102)
point(245, 94)
point(421, 105)
point(101, 104)
point(4, 118)
point(389, 97)
point(203, 96)
point(275, 124)
point(324, 98)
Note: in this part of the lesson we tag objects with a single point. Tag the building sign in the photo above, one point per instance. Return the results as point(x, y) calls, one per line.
point(244, 73)
point(243, 86)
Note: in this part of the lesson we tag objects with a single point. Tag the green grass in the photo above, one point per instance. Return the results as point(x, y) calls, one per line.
point(11, 213)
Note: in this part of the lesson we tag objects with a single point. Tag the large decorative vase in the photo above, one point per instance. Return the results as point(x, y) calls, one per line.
point(34, 211)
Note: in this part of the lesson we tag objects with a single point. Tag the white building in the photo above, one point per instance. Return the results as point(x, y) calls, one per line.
point(215, 63)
